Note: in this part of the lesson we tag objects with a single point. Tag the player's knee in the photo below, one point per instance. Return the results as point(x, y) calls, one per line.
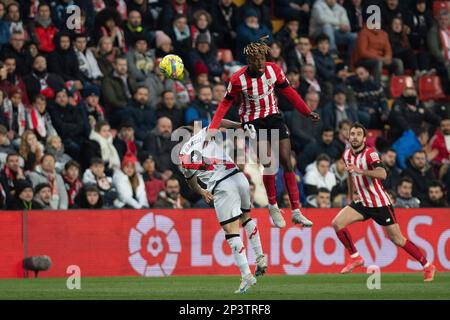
point(336, 225)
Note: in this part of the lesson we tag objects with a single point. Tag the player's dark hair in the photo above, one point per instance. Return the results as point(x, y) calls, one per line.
point(323, 190)
point(258, 47)
point(360, 126)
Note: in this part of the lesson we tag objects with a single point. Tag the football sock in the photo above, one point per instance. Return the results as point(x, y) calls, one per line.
point(269, 184)
point(253, 234)
point(238, 250)
point(291, 185)
point(415, 252)
point(346, 239)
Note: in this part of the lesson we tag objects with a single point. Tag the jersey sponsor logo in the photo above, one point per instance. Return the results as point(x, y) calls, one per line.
point(256, 97)
point(374, 156)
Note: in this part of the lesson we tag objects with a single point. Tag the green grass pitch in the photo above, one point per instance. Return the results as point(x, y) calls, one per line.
point(323, 286)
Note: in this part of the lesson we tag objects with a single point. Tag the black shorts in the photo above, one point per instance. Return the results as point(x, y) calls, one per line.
point(384, 216)
point(272, 122)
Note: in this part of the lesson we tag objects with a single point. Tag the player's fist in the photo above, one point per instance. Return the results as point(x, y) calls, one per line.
point(207, 196)
point(314, 116)
point(250, 130)
point(354, 169)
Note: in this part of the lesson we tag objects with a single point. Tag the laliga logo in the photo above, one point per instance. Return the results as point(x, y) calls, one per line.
point(385, 252)
point(154, 246)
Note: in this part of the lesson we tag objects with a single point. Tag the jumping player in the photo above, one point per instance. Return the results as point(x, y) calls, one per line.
point(365, 174)
point(230, 190)
point(255, 84)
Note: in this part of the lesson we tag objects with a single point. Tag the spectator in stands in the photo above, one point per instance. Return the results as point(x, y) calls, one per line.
point(23, 199)
point(39, 119)
point(15, 113)
point(14, 19)
point(408, 113)
point(91, 107)
point(436, 196)
point(330, 17)
point(140, 59)
point(44, 196)
point(168, 108)
point(4, 27)
point(419, 20)
point(5, 145)
point(89, 198)
point(100, 145)
point(318, 175)
point(72, 181)
point(201, 27)
point(46, 173)
point(171, 198)
point(64, 62)
point(95, 175)
point(174, 9)
point(153, 180)
point(355, 14)
point(68, 122)
point(288, 35)
point(309, 82)
point(88, 65)
point(390, 10)
point(40, 81)
point(42, 30)
point(341, 139)
point(388, 158)
point(146, 10)
point(420, 173)
point(124, 140)
point(374, 52)
point(438, 40)
point(31, 150)
point(16, 49)
point(300, 55)
point(341, 189)
point(295, 10)
point(106, 54)
point(338, 110)
point(56, 148)
point(139, 111)
point(202, 109)
point(321, 200)
point(323, 59)
point(262, 12)
point(316, 148)
point(441, 142)
point(277, 56)
point(225, 19)
point(302, 129)
point(12, 79)
point(134, 28)
point(107, 23)
point(181, 36)
point(12, 172)
point(401, 48)
point(249, 30)
point(157, 82)
point(405, 198)
point(208, 56)
point(117, 90)
point(158, 143)
point(163, 44)
point(130, 185)
point(370, 98)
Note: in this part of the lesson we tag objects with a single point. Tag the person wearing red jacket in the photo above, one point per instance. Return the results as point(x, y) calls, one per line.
point(441, 142)
point(255, 84)
point(43, 30)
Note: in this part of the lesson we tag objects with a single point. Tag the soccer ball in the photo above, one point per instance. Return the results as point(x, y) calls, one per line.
point(172, 66)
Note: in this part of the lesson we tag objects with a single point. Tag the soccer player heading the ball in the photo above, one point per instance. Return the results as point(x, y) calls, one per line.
point(255, 84)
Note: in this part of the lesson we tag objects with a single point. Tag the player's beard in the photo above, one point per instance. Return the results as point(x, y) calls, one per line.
point(356, 145)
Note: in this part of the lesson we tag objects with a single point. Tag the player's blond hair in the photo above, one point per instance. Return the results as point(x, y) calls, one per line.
point(258, 47)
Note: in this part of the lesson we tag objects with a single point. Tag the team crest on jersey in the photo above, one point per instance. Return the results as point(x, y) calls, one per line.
point(374, 156)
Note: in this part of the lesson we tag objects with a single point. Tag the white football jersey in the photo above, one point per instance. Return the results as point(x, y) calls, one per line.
point(209, 164)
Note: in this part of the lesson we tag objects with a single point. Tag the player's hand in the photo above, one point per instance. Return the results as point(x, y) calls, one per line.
point(315, 117)
point(250, 129)
point(207, 196)
point(354, 169)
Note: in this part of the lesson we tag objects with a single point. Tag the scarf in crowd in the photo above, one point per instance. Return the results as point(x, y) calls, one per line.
point(180, 8)
point(21, 115)
point(120, 37)
point(107, 149)
point(40, 123)
point(43, 22)
point(9, 175)
point(445, 38)
point(309, 59)
point(180, 36)
point(88, 64)
point(121, 7)
point(73, 188)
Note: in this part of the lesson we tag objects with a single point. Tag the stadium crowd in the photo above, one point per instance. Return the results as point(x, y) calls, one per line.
point(86, 116)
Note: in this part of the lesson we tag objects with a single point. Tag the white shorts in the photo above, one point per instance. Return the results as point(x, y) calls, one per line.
point(231, 198)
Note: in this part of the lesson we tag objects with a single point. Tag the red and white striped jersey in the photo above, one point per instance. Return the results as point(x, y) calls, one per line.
point(370, 190)
point(257, 94)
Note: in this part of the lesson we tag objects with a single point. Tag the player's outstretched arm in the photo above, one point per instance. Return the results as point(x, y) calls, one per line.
point(376, 173)
point(297, 102)
point(193, 184)
point(221, 111)
point(228, 124)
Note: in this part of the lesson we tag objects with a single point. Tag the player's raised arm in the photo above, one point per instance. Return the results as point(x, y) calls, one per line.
point(223, 107)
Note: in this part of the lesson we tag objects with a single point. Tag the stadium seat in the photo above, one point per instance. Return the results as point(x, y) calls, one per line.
point(225, 55)
point(439, 6)
point(430, 88)
point(239, 2)
point(398, 84)
point(372, 136)
point(277, 24)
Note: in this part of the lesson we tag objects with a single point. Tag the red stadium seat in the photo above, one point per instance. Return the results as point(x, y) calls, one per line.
point(439, 6)
point(398, 84)
point(430, 88)
point(225, 55)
